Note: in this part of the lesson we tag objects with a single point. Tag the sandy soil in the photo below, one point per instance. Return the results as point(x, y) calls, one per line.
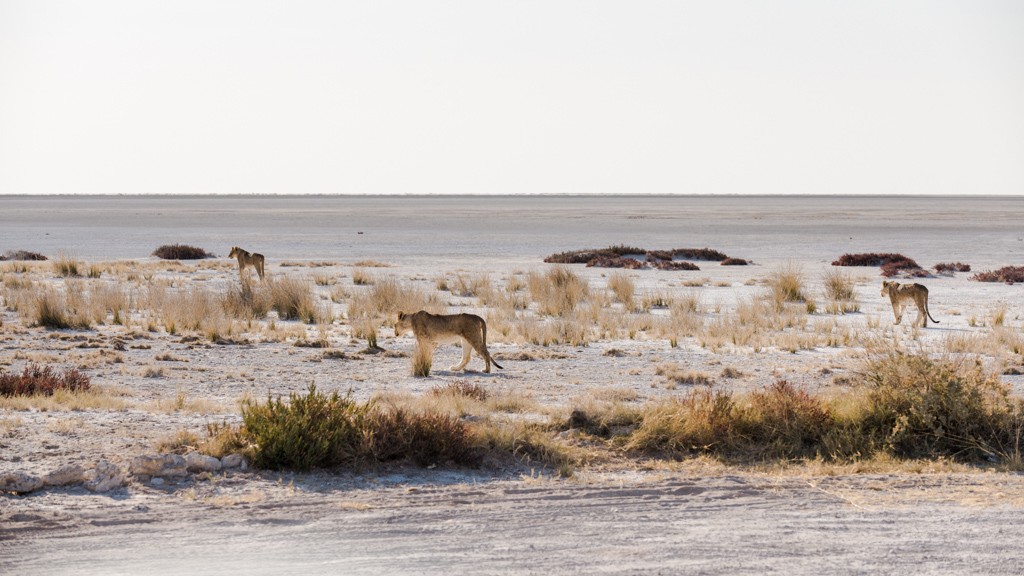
point(647, 518)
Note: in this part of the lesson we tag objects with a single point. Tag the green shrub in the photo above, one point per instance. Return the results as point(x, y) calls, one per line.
point(314, 430)
point(782, 421)
point(919, 407)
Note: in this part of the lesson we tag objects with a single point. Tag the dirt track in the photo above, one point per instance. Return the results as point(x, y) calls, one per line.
point(926, 524)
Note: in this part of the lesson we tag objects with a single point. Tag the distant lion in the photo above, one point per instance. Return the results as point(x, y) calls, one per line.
point(432, 329)
point(247, 259)
point(901, 294)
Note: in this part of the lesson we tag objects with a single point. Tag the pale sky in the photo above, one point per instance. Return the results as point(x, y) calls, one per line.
point(478, 97)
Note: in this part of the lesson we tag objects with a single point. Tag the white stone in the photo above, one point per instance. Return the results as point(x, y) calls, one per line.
point(65, 475)
point(196, 462)
point(20, 482)
point(105, 477)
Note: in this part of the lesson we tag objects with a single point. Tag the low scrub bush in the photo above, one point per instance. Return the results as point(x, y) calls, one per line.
point(44, 380)
point(951, 267)
point(918, 407)
point(1008, 274)
point(22, 255)
point(735, 262)
point(317, 430)
point(906, 406)
point(312, 430)
point(425, 438)
point(906, 267)
point(631, 257)
point(460, 388)
point(181, 252)
point(869, 259)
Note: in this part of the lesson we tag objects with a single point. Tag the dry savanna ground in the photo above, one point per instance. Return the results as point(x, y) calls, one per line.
point(763, 372)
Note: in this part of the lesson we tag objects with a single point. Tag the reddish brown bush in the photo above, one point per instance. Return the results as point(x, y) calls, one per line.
point(41, 380)
point(869, 259)
point(1008, 274)
point(950, 267)
point(22, 255)
point(617, 262)
point(735, 262)
point(625, 257)
point(699, 254)
point(675, 265)
point(906, 267)
point(181, 252)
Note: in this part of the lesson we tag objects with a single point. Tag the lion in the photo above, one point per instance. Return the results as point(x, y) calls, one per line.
point(433, 329)
point(901, 294)
point(247, 259)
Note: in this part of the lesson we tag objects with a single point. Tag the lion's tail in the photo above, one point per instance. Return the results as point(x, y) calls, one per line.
point(493, 361)
point(929, 313)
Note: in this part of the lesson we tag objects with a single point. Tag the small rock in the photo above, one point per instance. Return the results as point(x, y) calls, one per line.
point(157, 481)
point(65, 475)
point(235, 461)
point(174, 465)
point(105, 477)
point(20, 482)
point(196, 462)
point(146, 465)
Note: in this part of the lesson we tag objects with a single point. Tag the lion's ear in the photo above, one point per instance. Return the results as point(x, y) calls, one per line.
point(401, 315)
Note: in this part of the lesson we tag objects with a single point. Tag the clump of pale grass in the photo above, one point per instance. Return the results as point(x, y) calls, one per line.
point(622, 286)
point(838, 285)
point(361, 277)
point(295, 299)
point(387, 297)
point(422, 357)
point(557, 292)
point(65, 265)
point(679, 375)
point(247, 302)
point(787, 284)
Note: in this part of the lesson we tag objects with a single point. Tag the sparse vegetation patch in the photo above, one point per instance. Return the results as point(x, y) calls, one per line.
point(22, 255)
point(181, 252)
point(35, 379)
point(951, 267)
point(1008, 274)
point(633, 258)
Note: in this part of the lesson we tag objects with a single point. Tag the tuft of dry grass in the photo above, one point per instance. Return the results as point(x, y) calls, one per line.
point(674, 373)
point(622, 286)
point(422, 357)
point(295, 299)
point(557, 292)
point(787, 284)
point(361, 277)
point(460, 388)
point(66, 266)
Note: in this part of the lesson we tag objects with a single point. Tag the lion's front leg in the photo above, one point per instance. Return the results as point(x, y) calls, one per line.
point(897, 311)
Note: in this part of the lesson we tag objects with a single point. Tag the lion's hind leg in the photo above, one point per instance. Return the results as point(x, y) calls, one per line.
point(466, 350)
